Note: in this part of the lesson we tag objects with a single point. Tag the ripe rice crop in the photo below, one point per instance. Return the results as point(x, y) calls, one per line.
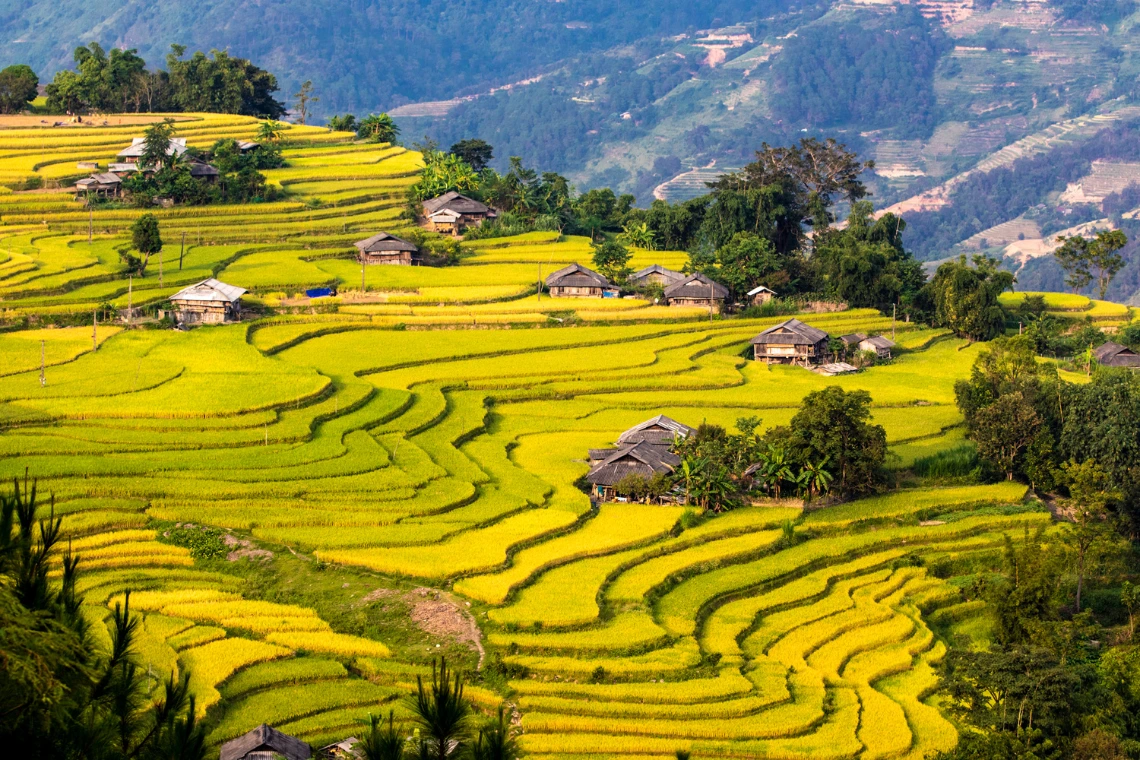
point(333, 643)
point(212, 663)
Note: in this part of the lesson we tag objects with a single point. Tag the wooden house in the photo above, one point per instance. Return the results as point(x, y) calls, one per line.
point(643, 460)
point(132, 153)
point(761, 294)
point(106, 185)
point(1115, 355)
point(576, 281)
point(343, 750)
point(697, 290)
point(659, 430)
point(204, 172)
point(452, 213)
point(655, 274)
point(791, 342)
point(205, 303)
point(265, 743)
point(383, 248)
point(877, 343)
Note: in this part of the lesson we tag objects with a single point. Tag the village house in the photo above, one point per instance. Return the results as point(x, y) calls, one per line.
point(761, 295)
point(452, 213)
point(644, 451)
point(877, 343)
point(205, 303)
point(791, 342)
point(265, 743)
point(104, 185)
point(204, 172)
point(576, 281)
point(655, 274)
point(132, 153)
point(1115, 355)
point(384, 248)
point(697, 290)
point(247, 146)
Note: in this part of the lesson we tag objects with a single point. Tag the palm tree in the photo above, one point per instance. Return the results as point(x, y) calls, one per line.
point(815, 477)
point(270, 130)
point(496, 741)
point(382, 744)
point(442, 714)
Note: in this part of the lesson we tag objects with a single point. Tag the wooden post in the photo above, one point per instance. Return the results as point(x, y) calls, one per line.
point(43, 378)
point(182, 250)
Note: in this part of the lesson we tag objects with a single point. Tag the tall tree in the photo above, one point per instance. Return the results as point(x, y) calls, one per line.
point(442, 714)
point(19, 86)
point(612, 260)
point(476, 153)
point(1087, 260)
point(966, 297)
point(221, 84)
point(1088, 508)
point(147, 240)
point(1004, 429)
point(305, 99)
point(378, 128)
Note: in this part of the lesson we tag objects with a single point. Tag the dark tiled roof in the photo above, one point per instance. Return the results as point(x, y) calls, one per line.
point(853, 338)
point(266, 739)
point(659, 430)
point(597, 455)
point(100, 179)
point(697, 286)
point(1115, 355)
point(641, 459)
point(576, 276)
point(793, 332)
point(203, 170)
point(668, 274)
point(878, 341)
point(454, 201)
point(382, 242)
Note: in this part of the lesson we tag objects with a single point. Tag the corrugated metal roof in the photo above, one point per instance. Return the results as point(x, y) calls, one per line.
point(209, 290)
point(576, 275)
point(138, 146)
point(100, 179)
point(1113, 354)
point(878, 341)
point(792, 332)
point(761, 289)
point(659, 430)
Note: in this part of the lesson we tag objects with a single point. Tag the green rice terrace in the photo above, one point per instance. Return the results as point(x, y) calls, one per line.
point(311, 505)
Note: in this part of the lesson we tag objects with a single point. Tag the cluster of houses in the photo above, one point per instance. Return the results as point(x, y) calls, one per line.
point(796, 342)
point(644, 451)
point(577, 281)
point(109, 184)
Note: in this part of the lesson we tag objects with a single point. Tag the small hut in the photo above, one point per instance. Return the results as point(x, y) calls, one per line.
point(132, 153)
point(877, 343)
point(207, 302)
point(761, 294)
point(247, 146)
point(265, 743)
point(452, 213)
point(697, 290)
point(106, 185)
point(1113, 354)
point(643, 460)
point(659, 430)
point(791, 342)
point(655, 274)
point(204, 172)
point(576, 281)
point(385, 248)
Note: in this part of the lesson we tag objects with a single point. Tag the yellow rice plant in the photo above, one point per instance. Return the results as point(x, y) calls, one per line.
point(332, 643)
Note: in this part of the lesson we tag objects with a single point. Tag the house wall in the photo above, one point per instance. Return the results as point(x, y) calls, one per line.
point(557, 291)
point(702, 302)
point(395, 257)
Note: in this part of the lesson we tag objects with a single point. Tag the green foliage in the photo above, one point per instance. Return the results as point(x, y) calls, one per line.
point(611, 259)
point(442, 715)
point(203, 543)
point(442, 173)
point(473, 152)
point(496, 740)
point(382, 743)
point(220, 84)
point(18, 87)
point(1086, 261)
point(377, 128)
point(965, 298)
point(346, 123)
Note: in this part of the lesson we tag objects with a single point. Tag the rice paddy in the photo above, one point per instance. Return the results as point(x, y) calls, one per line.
point(428, 434)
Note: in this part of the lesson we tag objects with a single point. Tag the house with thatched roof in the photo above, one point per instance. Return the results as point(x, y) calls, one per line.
point(265, 743)
point(105, 185)
point(385, 248)
point(205, 303)
point(1115, 355)
point(761, 294)
point(655, 274)
point(133, 152)
point(791, 342)
point(576, 281)
point(697, 290)
point(452, 213)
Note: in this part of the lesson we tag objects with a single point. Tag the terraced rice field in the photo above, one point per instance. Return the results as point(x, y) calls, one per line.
point(448, 458)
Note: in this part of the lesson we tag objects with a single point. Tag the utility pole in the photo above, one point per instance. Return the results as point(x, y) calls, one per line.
point(95, 330)
point(43, 378)
point(182, 250)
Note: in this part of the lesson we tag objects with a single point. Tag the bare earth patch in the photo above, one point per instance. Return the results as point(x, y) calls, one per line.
point(440, 614)
point(241, 548)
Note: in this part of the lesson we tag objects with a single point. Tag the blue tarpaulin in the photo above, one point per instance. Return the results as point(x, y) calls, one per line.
point(318, 292)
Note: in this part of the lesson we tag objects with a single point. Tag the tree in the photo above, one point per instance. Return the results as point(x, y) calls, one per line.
point(1004, 429)
point(305, 99)
point(382, 743)
point(1087, 506)
point(966, 298)
point(442, 714)
point(221, 84)
point(146, 239)
point(156, 145)
point(833, 425)
point(19, 86)
point(475, 153)
point(378, 128)
point(270, 130)
point(496, 740)
point(1086, 260)
point(611, 259)
point(442, 173)
point(639, 236)
point(346, 123)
